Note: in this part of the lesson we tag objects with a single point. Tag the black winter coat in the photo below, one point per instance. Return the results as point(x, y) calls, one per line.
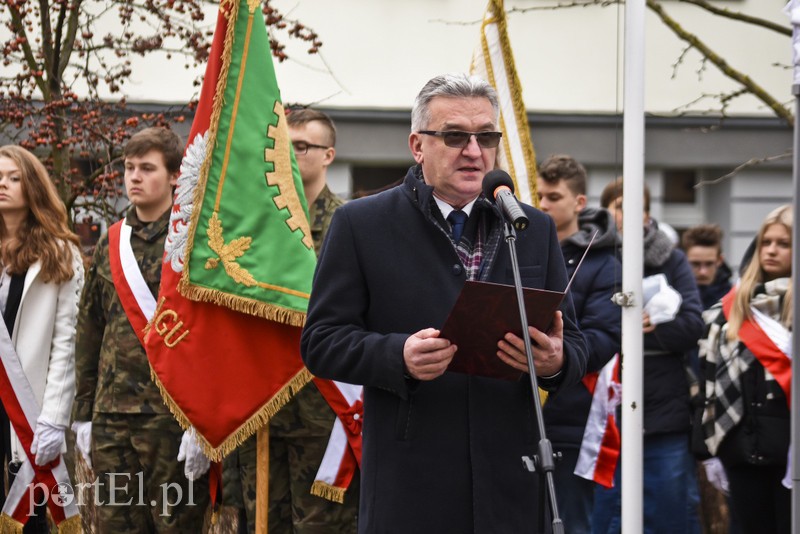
point(598, 318)
point(441, 455)
point(666, 389)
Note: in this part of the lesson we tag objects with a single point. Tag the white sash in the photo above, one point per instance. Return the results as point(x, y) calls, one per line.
point(26, 398)
point(133, 275)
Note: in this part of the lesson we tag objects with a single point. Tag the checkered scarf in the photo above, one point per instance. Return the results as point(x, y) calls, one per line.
point(725, 362)
point(480, 241)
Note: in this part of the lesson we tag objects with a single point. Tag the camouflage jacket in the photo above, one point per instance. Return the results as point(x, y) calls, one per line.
point(113, 374)
point(308, 407)
point(320, 214)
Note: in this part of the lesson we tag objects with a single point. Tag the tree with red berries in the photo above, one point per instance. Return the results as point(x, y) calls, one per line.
point(65, 68)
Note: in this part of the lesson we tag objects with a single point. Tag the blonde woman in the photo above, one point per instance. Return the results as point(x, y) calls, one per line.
point(41, 276)
point(747, 369)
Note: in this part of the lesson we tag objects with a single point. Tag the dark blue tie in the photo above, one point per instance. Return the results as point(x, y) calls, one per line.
point(457, 219)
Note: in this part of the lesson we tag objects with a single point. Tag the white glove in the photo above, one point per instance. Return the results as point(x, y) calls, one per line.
point(48, 438)
point(83, 439)
point(715, 473)
point(197, 463)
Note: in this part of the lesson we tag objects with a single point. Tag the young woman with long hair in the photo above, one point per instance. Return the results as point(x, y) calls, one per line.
point(747, 368)
point(41, 276)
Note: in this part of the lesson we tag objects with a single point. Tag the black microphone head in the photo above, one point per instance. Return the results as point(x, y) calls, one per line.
point(495, 179)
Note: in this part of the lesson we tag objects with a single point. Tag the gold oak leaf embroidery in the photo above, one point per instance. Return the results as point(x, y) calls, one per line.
point(228, 253)
point(282, 177)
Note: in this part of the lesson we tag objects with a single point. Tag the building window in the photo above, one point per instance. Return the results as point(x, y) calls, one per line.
point(679, 186)
point(371, 179)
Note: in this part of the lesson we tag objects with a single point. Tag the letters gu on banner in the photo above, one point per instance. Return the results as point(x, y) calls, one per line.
point(223, 344)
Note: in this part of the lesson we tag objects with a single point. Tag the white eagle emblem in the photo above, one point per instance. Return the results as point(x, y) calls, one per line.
point(175, 246)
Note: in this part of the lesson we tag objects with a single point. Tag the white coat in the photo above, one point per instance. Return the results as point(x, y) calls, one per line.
point(44, 339)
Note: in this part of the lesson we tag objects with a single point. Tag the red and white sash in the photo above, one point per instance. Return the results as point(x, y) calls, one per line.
point(600, 447)
point(769, 341)
point(23, 411)
point(343, 453)
point(137, 300)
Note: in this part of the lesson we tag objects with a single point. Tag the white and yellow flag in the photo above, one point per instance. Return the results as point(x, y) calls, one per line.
point(494, 61)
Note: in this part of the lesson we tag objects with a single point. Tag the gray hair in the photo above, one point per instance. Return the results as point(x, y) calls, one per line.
point(457, 85)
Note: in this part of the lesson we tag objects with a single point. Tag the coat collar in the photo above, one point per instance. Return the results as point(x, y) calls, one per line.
point(30, 276)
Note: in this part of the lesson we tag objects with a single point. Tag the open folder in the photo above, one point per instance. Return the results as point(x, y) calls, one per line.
point(482, 315)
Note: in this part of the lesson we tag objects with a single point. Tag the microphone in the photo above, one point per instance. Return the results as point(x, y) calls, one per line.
point(499, 187)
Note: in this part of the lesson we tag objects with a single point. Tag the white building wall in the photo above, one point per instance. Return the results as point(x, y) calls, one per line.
point(379, 53)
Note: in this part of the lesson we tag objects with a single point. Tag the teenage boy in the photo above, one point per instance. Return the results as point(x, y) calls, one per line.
point(562, 195)
point(123, 428)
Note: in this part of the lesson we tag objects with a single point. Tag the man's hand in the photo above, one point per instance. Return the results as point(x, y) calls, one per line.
point(197, 463)
point(83, 440)
point(48, 438)
point(715, 473)
point(647, 326)
point(426, 355)
point(548, 349)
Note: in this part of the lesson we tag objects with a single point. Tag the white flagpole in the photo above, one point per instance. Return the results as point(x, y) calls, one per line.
point(633, 267)
point(793, 10)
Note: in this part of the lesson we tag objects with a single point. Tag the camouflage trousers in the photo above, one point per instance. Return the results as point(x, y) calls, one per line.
point(141, 486)
point(298, 437)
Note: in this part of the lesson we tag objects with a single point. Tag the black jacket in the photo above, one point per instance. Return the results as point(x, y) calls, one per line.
point(718, 288)
point(666, 389)
point(441, 455)
point(598, 318)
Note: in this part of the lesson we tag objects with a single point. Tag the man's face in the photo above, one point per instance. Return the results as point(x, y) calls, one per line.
point(456, 174)
point(313, 163)
point(560, 203)
point(148, 182)
point(616, 210)
point(704, 262)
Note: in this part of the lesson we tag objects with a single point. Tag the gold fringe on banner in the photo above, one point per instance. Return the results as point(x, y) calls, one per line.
point(242, 304)
point(71, 525)
point(9, 525)
point(326, 491)
point(258, 420)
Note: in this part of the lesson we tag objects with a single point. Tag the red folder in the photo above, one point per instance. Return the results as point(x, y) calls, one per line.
point(482, 315)
point(484, 312)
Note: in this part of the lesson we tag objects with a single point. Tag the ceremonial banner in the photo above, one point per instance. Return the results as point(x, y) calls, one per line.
point(494, 61)
point(600, 446)
point(224, 340)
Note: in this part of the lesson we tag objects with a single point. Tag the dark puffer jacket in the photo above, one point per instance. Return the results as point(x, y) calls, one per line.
point(666, 389)
point(598, 318)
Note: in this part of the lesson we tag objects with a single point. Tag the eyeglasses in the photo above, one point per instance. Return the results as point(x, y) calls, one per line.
point(456, 139)
point(703, 264)
point(301, 147)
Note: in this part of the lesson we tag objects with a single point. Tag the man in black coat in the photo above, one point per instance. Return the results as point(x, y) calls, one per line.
point(441, 450)
point(562, 195)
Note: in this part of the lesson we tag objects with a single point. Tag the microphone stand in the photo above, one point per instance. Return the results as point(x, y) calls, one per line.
point(544, 459)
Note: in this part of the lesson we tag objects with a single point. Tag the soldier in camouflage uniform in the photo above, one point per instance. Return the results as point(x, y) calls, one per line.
point(299, 432)
point(134, 438)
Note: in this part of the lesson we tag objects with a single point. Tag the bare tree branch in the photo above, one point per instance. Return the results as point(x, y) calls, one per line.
point(732, 73)
point(749, 163)
point(736, 15)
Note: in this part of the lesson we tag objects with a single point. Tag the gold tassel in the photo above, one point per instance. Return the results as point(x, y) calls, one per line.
point(71, 525)
point(9, 525)
point(326, 491)
point(241, 304)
